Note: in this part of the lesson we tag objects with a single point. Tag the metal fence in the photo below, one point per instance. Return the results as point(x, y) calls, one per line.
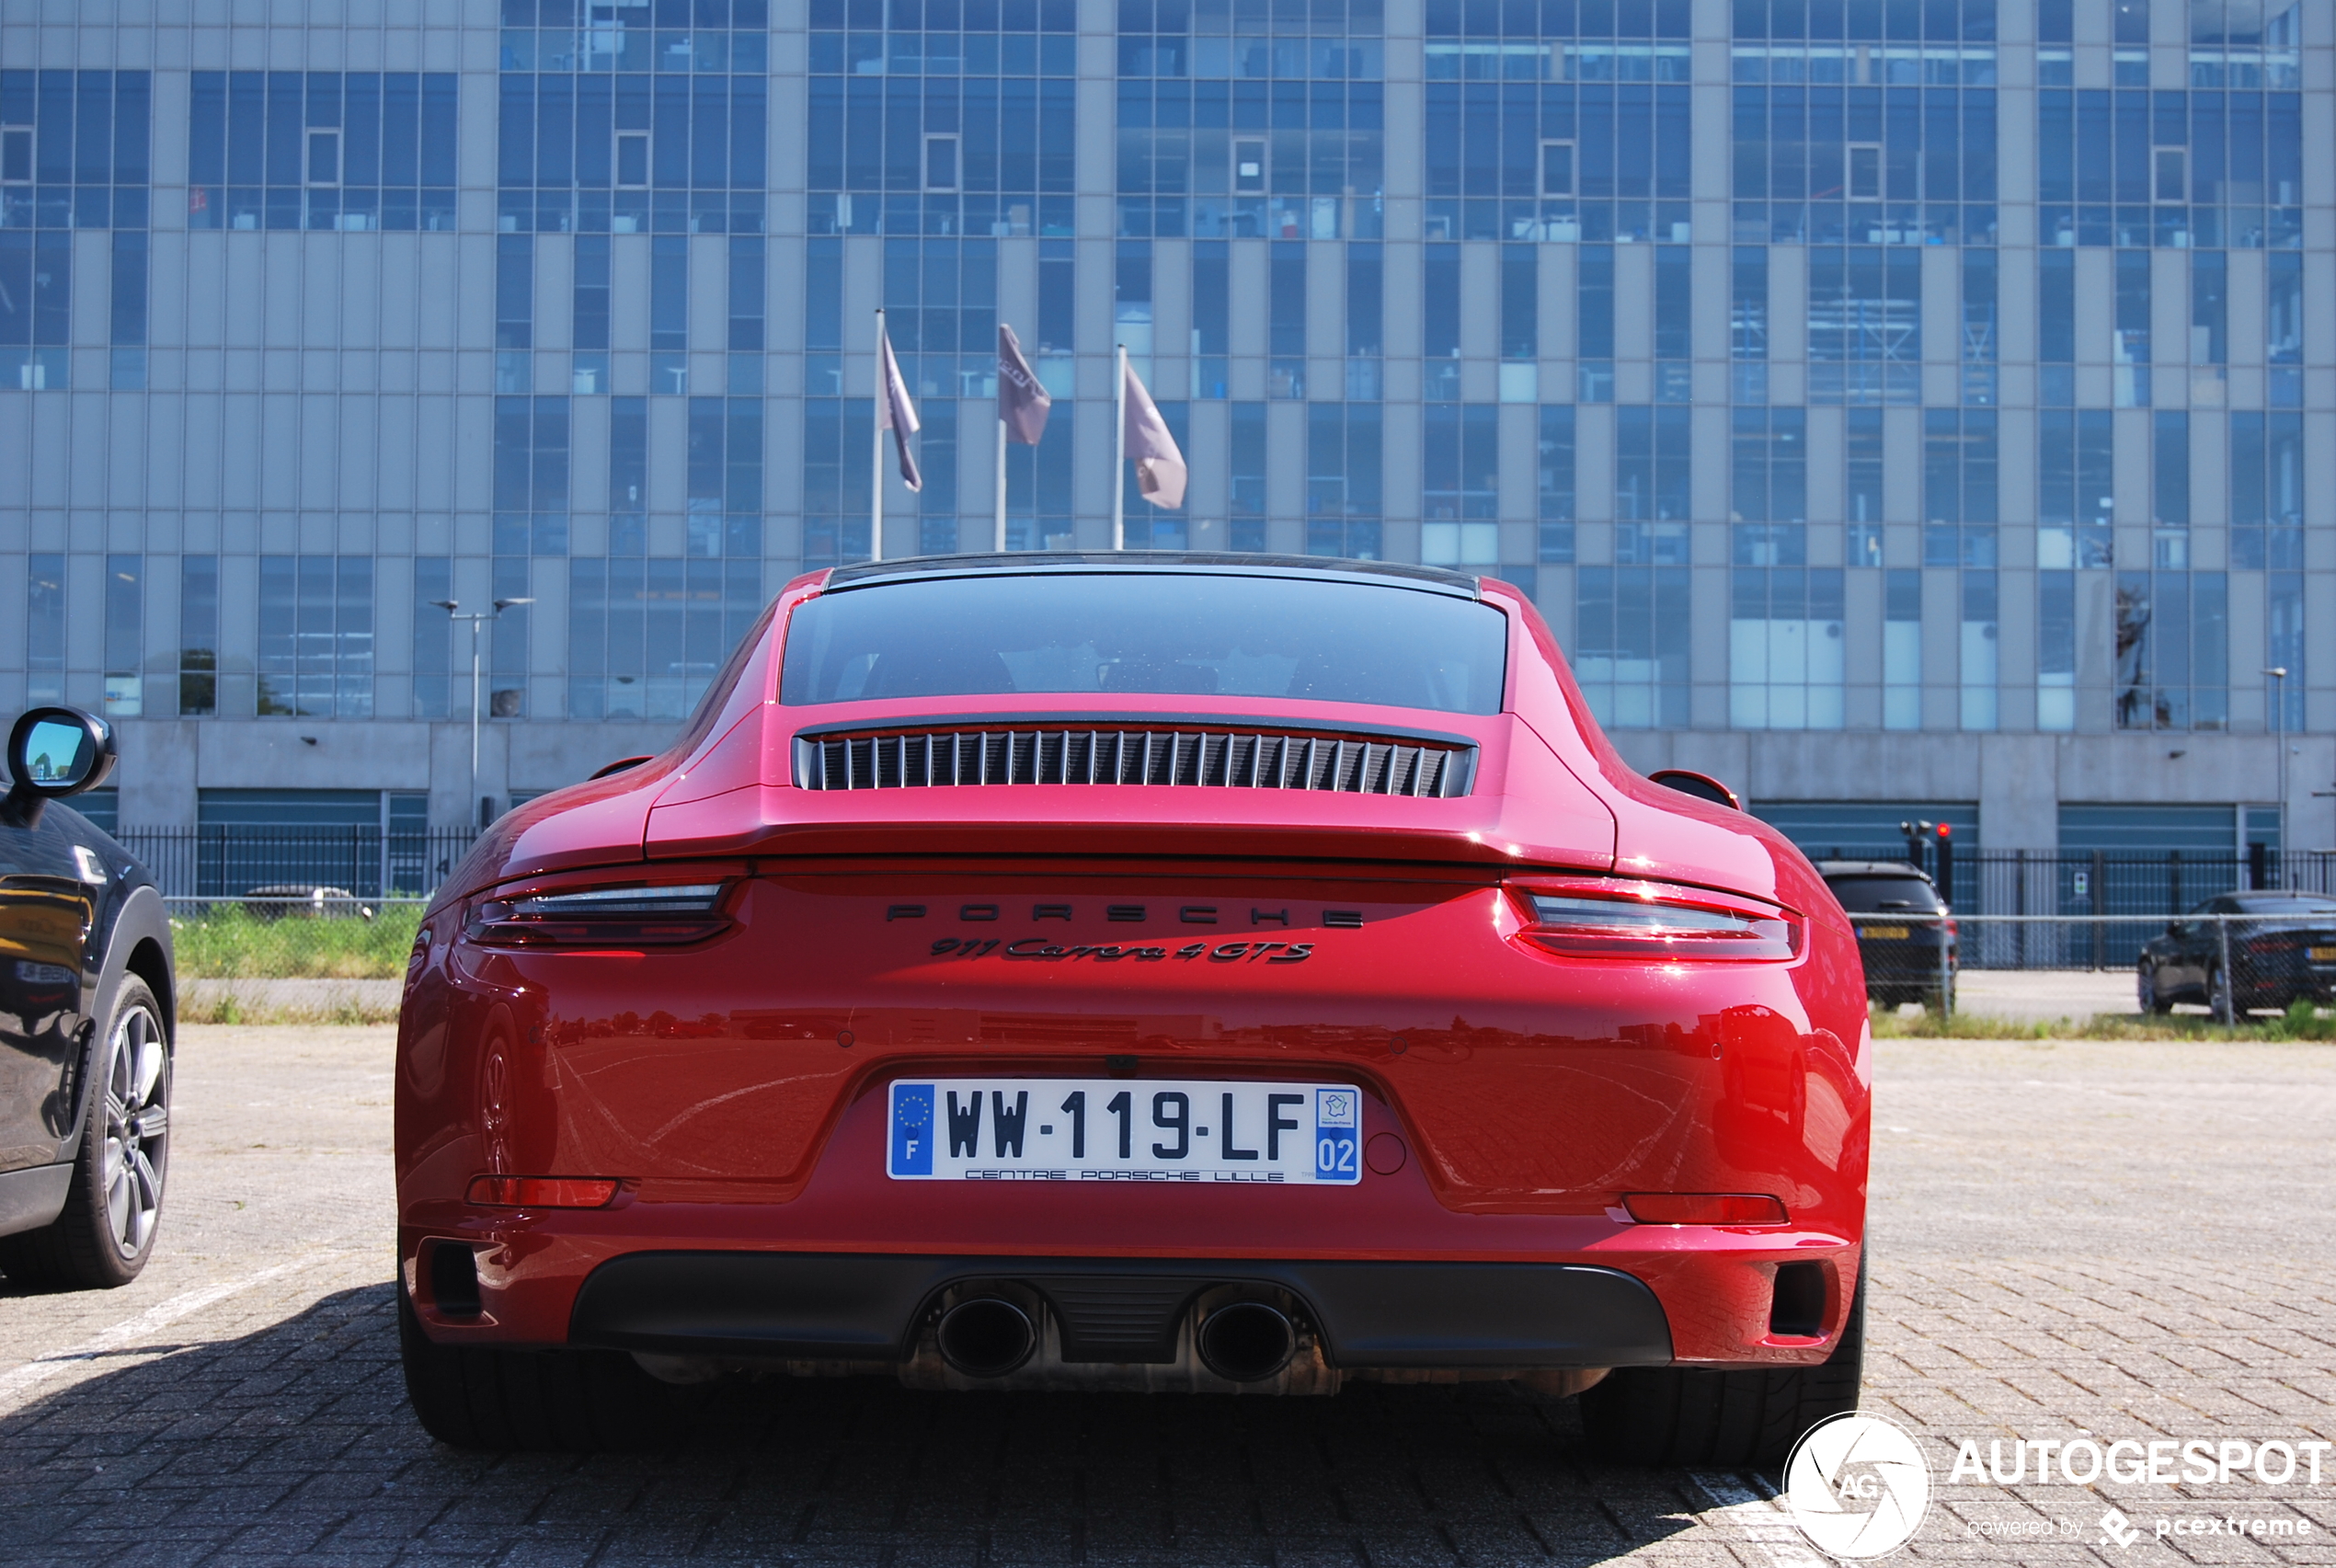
point(2098, 906)
point(231, 860)
point(2236, 964)
point(2017, 910)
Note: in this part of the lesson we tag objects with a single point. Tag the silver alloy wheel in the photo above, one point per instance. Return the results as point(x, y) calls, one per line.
point(136, 1129)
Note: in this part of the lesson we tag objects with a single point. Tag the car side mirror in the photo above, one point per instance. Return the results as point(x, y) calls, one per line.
point(1703, 786)
point(54, 753)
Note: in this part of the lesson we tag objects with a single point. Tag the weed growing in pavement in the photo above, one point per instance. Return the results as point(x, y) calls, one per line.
point(2302, 1020)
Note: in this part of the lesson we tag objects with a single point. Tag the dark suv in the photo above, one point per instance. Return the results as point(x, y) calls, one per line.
point(86, 1010)
point(1897, 909)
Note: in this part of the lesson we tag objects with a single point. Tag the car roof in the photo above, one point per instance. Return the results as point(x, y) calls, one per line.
point(1830, 868)
point(1198, 563)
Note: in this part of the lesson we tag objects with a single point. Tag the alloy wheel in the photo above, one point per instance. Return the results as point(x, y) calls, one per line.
point(136, 1130)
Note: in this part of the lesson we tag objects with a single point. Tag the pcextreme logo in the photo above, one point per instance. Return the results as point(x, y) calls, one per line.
point(1857, 1486)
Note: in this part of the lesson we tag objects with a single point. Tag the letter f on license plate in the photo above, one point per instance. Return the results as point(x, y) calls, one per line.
point(911, 1129)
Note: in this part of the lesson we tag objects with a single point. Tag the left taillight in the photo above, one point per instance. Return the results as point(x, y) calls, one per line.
point(1651, 920)
point(637, 915)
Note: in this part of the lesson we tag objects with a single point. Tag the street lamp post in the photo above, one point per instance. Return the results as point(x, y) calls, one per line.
point(454, 612)
point(2278, 673)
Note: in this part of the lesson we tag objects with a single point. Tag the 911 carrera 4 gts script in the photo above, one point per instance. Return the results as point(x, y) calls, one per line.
point(1039, 948)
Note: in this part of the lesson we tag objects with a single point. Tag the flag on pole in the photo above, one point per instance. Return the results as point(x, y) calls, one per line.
point(1022, 402)
point(1160, 467)
point(896, 413)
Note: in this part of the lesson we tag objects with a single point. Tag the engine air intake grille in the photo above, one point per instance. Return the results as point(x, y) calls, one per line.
point(1349, 765)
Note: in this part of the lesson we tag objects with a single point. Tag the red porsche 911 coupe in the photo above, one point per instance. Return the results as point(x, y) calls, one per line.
point(1207, 973)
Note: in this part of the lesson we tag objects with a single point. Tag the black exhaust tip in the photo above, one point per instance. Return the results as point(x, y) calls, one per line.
point(987, 1336)
point(1247, 1342)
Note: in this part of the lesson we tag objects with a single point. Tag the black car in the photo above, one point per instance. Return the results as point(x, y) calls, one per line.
point(2283, 952)
point(1898, 911)
point(87, 1003)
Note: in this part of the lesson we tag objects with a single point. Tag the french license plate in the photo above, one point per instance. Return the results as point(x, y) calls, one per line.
point(1884, 933)
point(2324, 954)
point(1123, 1129)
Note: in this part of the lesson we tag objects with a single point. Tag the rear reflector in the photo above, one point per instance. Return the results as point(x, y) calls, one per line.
point(1705, 1208)
point(542, 1192)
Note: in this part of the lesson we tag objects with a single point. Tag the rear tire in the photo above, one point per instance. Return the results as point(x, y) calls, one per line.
point(106, 1232)
point(565, 1401)
point(1680, 1416)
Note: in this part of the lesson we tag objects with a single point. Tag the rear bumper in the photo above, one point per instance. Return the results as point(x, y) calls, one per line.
point(1511, 1291)
point(868, 1307)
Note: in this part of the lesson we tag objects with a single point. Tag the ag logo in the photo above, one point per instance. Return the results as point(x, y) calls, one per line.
point(1857, 1486)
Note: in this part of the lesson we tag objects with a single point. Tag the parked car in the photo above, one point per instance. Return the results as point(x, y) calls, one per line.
point(86, 997)
point(1163, 972)
point(305, 901)
point(1898, 915)
point(2284, 952)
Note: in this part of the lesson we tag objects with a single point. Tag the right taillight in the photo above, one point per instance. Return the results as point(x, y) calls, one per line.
point(638, 915)
point(1598, 918)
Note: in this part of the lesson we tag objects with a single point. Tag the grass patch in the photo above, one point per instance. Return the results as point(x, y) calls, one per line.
point(215, 1006)
point(2300, 1022)
point(230, 942)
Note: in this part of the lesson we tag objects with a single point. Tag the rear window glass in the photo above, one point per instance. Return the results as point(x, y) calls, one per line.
point(2307, 907)
point(1115, 634)
point(1873, 895)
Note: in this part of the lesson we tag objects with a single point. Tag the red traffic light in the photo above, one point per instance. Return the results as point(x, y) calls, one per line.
point(1944, 829)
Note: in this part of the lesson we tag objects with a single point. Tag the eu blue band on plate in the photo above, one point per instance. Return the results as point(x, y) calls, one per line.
point(912, 1129)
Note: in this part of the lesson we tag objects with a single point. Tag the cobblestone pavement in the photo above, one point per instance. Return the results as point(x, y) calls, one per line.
point(2122, 1240)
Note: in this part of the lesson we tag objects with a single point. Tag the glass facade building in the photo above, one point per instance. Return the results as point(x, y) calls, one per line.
point(1884, 399)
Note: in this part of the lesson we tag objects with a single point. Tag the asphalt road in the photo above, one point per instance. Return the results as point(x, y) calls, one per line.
point(2126, 1240)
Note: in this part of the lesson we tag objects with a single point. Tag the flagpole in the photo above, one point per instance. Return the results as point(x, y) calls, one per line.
point(875, 475)
point(1119, 455)
point(1001, 471)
